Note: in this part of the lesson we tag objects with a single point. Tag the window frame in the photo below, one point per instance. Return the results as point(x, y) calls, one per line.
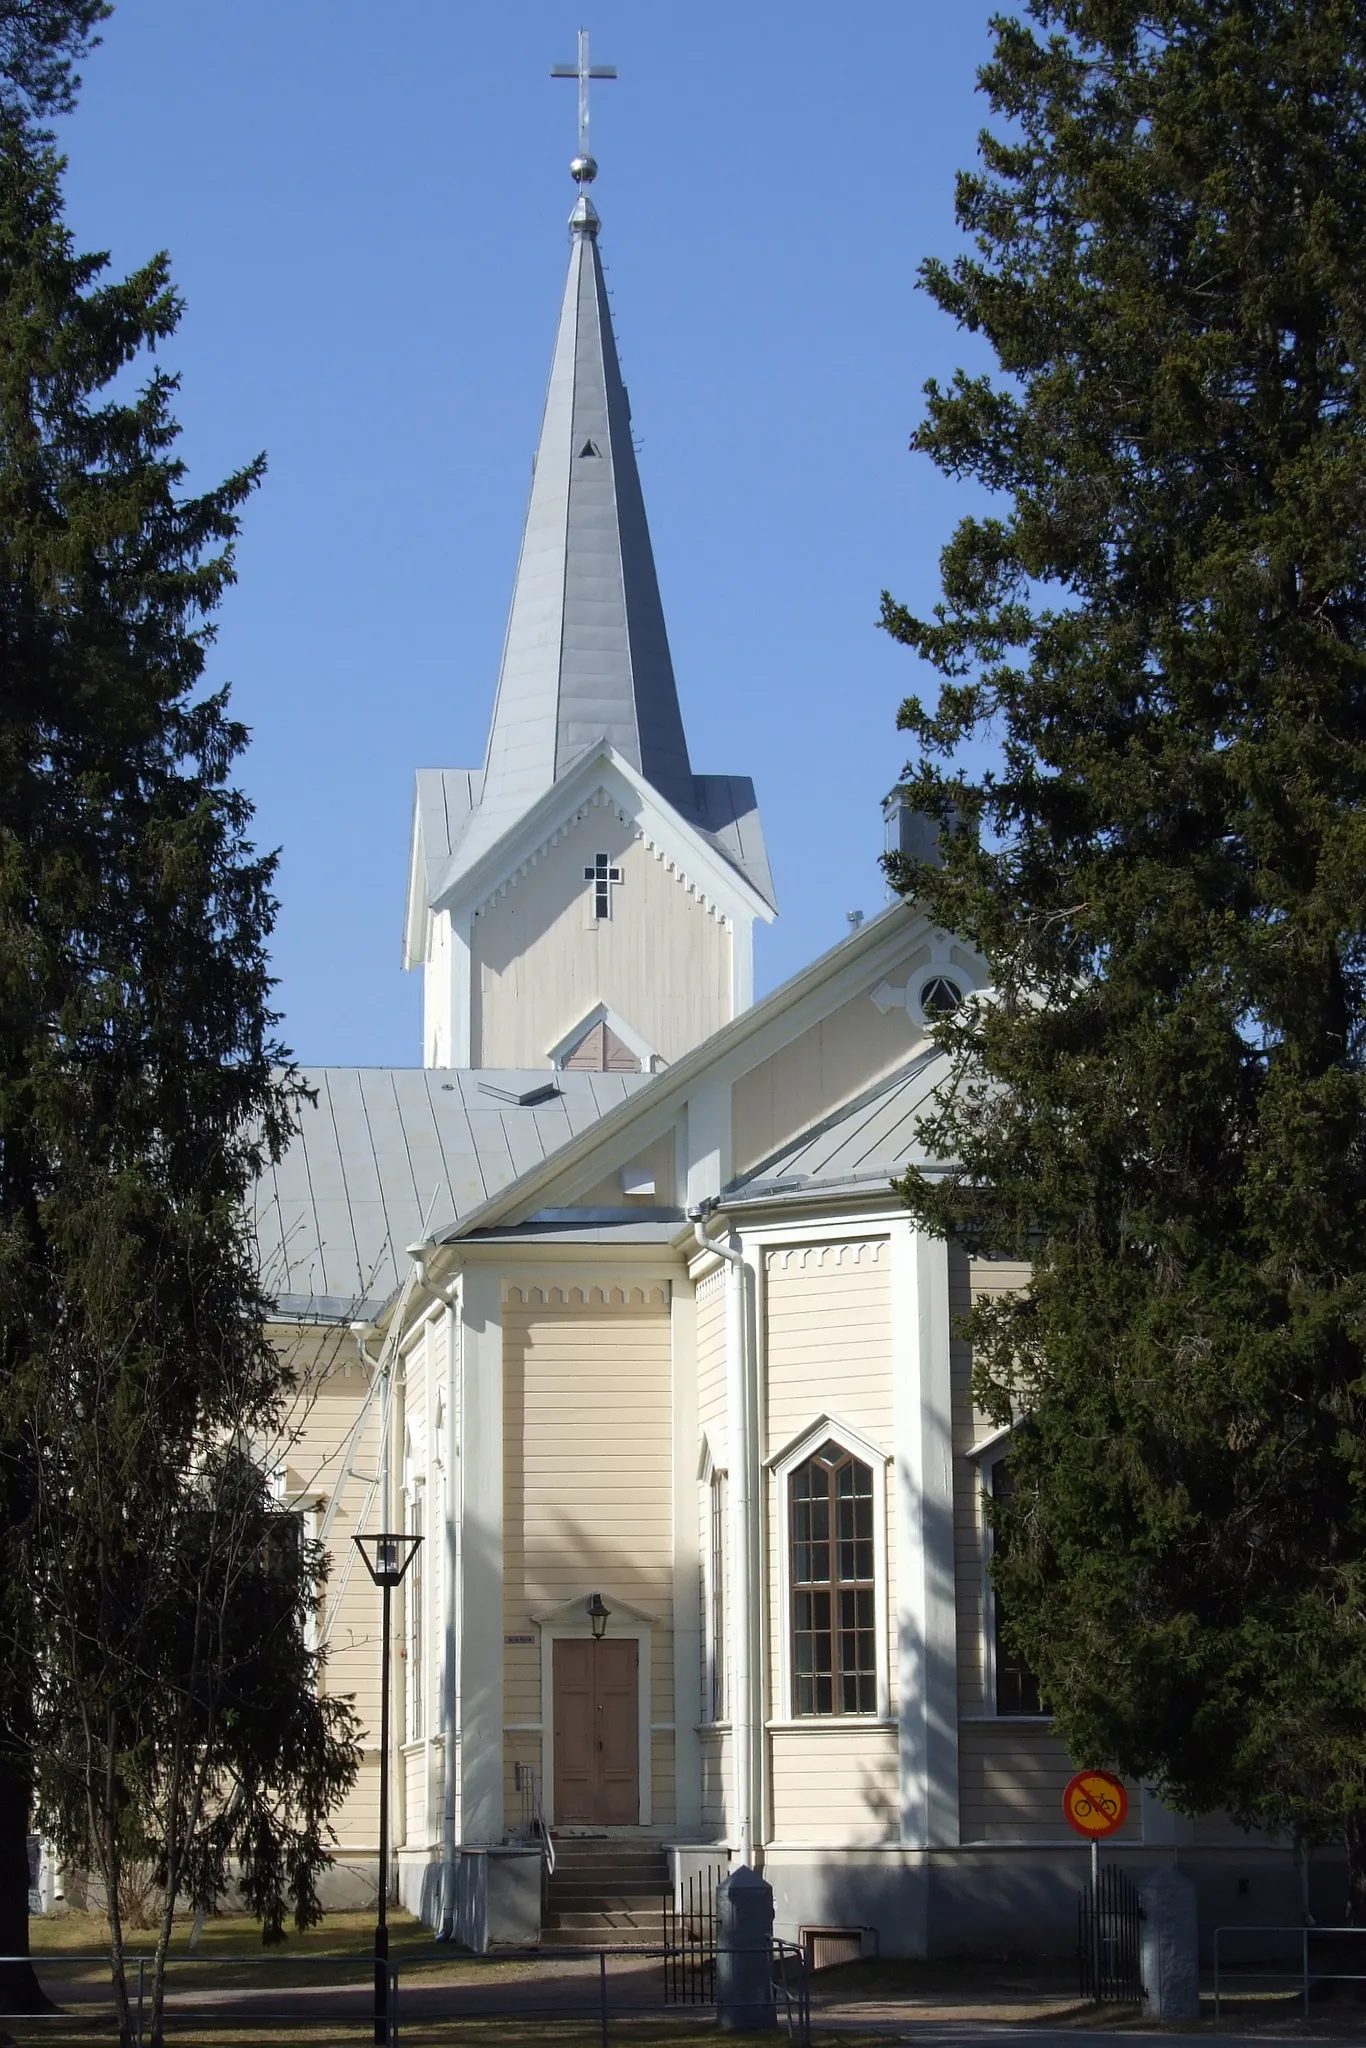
point(780, 1468)
point(711, 1475)
point(416, 1634)
point(999, 1454)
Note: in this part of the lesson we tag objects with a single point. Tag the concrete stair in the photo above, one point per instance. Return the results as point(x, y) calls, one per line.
point(606, 1894)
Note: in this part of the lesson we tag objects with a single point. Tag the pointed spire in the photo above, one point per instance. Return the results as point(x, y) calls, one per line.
point(586, 656)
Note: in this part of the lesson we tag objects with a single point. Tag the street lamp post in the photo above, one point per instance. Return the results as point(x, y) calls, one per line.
point(387, 1559)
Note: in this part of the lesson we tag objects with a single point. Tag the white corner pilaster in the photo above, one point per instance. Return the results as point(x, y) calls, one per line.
point(687, 1573)
point(927, 1705)
point(481, 1605)
point(741, 963)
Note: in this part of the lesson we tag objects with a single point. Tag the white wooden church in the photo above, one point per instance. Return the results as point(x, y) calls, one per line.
point(611, 1302)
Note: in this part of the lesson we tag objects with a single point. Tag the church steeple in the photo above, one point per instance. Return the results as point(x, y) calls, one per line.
point(584, 880)
point(587, 655)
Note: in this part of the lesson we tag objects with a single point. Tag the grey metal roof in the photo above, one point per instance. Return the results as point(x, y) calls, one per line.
point(387, 1155)
point(868, 1142)
point(586, 656)
point(727, 811)
point(586, 660)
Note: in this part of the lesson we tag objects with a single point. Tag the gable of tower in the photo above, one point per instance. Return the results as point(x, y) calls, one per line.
point(544, 959)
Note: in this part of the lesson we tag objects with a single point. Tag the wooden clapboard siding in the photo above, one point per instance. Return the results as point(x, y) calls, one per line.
point(825, 1066)
point(835, 1784)
point(539, 964)
point(416, 1830)
point(716, 1781)
point(1011, 1776)
point(971, 1280)
point(588, 1476)
point(828, 1332)
point(711, 1354)
point(353, 1647)
point(827, 1351)
point(1221, 1831)
point(356, 1822)
point(664, 1803)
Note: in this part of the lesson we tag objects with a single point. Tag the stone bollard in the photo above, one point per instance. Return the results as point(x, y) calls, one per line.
point(744, 1954)
point(1169, 1948)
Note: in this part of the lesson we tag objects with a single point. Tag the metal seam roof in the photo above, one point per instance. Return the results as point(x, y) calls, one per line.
point(386, 1155)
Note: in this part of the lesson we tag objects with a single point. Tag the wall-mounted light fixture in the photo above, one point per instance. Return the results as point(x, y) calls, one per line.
point(598, 1611)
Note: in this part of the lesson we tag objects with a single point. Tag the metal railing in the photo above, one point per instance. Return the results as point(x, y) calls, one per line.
point(1308, 1972)
point(230, 2007)
point(598, 1999)
point(534, 1821)
point(792, 1990)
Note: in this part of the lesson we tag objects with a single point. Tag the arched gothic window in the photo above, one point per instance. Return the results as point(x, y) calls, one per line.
point(833, 1583)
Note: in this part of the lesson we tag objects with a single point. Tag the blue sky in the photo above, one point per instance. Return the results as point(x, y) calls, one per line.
point(365, 205)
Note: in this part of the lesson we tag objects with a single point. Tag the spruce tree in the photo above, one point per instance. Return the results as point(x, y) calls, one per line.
point(1159, 622)
point(141, 1085)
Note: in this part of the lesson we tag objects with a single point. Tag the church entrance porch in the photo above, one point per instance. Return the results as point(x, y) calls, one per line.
point(596, 1730)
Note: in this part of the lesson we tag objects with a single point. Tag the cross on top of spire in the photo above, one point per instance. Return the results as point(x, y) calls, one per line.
point(583, 167)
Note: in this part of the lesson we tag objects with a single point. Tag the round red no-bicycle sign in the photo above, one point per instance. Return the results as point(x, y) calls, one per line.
point(1095, 1804)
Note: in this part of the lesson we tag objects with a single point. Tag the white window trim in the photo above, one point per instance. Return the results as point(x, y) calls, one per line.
point(706, 1502)
point(416, 1619)
point(603, 1013)
point(781, 1467)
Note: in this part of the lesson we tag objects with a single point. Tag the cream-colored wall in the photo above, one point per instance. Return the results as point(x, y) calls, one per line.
point(828, 1065)
point(837, 1784)
point(540, 964)
point(716, 1781)
point(828, 1338)
point(828, 1351)
point(1011, 1776)
point(711, 1356)
point(331, 1387)
point(656, 1159)
point(588, 1485)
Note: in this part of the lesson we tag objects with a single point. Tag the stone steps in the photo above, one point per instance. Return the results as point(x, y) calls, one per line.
point(606, 1894)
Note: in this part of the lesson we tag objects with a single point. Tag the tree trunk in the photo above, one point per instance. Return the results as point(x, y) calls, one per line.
point(20, 1990)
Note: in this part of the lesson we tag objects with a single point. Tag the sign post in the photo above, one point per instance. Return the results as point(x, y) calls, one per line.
point(1095, 1805)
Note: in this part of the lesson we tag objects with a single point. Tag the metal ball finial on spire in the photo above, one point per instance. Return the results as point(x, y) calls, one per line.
point(584, 168)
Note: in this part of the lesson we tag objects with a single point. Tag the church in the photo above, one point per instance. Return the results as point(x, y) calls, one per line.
point(612, 1304)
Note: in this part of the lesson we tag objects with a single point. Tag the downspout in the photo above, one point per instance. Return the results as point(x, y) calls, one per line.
point(742, 1450)
point(452, 1590)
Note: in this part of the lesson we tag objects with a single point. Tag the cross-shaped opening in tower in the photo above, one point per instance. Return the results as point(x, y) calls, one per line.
point(602, 875)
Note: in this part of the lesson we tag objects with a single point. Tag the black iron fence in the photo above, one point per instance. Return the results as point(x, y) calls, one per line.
point(1109, 1917)
point(690, 1941)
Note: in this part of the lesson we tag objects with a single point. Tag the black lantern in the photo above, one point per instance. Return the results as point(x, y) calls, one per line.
point(598, 1611)
point(387, 1558)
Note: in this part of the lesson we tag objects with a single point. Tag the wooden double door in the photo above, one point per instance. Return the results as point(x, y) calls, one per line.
point(597, 1733)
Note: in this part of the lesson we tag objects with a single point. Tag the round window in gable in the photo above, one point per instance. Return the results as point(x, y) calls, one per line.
point(940, 997)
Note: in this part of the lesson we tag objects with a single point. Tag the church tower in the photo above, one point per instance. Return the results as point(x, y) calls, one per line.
point(583, 899)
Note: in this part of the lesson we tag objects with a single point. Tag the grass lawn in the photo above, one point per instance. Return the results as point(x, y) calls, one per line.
point(231, 1934)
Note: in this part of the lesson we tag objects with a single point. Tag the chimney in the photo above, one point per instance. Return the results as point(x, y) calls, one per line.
point(912, 833)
